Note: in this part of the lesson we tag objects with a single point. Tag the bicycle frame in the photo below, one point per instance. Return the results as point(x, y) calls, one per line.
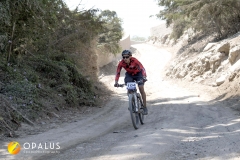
point(135, 102)
point(132, 94)
point(134, 105)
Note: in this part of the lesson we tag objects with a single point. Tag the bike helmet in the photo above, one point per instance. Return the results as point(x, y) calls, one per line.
point(126, 52)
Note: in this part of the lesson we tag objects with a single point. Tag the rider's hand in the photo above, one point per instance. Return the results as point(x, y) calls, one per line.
point(144, 79)
point(116, 85)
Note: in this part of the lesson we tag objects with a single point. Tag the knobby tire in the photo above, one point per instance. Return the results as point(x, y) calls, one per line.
point(134, 116)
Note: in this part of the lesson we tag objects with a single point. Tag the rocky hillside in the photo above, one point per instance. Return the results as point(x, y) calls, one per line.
point(217, 63)
point(205, 61)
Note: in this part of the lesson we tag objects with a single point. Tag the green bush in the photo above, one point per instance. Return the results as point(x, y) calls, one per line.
point(24, 90)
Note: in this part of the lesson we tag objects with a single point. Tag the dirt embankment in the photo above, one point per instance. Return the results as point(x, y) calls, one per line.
point(214, 65)
point(106, 58)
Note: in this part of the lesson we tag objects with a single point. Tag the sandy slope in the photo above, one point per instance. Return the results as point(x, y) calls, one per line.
point(183, 123)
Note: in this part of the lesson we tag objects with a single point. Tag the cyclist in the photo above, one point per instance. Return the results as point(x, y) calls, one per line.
point(134, 71)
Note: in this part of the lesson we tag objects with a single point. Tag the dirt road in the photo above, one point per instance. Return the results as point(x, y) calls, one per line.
point(182, 124)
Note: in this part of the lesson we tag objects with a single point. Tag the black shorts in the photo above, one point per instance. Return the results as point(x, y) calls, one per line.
point(136, 77)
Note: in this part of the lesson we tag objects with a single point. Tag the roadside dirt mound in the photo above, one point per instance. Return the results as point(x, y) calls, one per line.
point(108, 69)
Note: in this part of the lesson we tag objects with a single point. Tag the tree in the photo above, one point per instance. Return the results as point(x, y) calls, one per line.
point(112, 31)
point(26, 24)
point(137, 38)
point(45, 26)
point(206, 16)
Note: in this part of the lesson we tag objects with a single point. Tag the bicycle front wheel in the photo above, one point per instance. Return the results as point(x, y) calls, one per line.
point(134, 115)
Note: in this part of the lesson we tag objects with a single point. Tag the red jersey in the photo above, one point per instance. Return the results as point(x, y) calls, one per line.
point(132, 68)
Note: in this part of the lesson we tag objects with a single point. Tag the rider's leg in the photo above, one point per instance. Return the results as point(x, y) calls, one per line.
point(139, 77)
point(141, 89)
point(143, 94)
point(128, 78)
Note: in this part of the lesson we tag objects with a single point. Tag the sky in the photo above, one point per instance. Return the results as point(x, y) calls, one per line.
point(134, 13)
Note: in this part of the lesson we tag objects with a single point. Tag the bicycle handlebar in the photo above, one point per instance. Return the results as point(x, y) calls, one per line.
point(121, 85)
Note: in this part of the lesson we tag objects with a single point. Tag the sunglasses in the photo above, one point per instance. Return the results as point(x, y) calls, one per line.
point(125, 57)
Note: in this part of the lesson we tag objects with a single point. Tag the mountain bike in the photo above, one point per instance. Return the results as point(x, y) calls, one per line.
point(135, 104)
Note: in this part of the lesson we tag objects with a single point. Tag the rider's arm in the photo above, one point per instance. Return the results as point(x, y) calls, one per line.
point(142, 69)
point(119, 68)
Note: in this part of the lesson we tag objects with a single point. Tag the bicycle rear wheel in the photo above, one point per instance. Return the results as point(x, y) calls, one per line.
point(134, 115)
point(140, 103)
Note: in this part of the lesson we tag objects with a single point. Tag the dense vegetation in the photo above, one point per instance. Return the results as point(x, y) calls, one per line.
point(219, 17)
point(47, 57)
point(138, 38)
point(111, 33)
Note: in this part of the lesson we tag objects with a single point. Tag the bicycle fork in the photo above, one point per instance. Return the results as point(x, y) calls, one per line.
point(136, 102)
point(134, 99)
